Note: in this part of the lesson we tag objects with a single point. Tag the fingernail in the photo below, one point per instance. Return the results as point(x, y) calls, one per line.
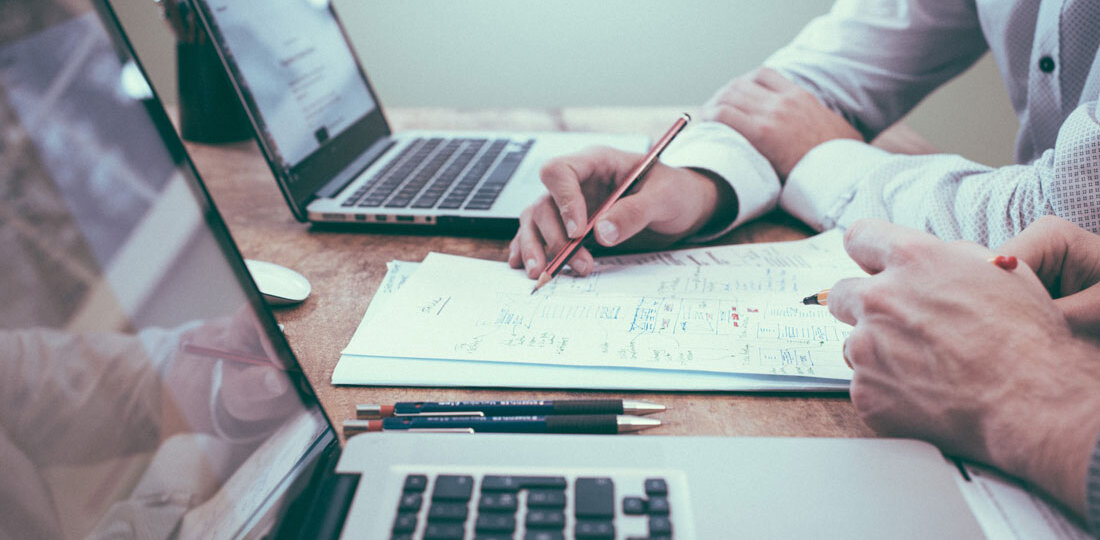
point(571, 228)
point(529, 264)
point(609, 233)
point(579, 265)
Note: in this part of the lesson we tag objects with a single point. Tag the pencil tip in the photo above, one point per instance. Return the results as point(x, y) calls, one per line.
point(810, 300)
point(544, 278)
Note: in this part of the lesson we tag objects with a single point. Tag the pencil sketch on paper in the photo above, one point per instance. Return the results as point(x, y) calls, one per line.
point(732, 309)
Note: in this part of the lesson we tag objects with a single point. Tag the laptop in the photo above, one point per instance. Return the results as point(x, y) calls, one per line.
point(336, 159)
point(146, 390)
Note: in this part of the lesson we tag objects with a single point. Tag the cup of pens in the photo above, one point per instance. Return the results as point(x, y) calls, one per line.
point(209, 111)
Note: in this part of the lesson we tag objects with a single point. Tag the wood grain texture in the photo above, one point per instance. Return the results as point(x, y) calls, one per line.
point(345, 269)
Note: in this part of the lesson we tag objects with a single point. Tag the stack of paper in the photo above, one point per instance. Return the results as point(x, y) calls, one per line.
point(715, 318)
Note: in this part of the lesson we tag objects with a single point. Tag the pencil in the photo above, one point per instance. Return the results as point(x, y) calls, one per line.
point(1000, 261)
point(558, 262)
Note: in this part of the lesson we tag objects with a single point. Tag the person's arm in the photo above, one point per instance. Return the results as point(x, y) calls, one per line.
point(839, 182)
point(974, 358)
point(873, 61)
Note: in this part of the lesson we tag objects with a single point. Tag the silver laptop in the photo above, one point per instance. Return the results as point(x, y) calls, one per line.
point(324, 134)
point(147, 392)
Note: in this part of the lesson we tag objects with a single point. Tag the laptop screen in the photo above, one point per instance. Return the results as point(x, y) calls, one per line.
point(302, 87)
point(144, 389)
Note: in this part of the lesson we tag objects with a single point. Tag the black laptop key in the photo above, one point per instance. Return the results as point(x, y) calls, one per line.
point(660, 526)
point(588, 528)
point(444, 531)
point(504, 501)
point(546, 498)
point(656, 486)
point(544, 535)
point(495, 523)
point(453, 488)
point(545, 519)
point(595, 498)
point(515, 483)
point(410, 502)
point(658, 505)
point(447, 511)
point(405, 523)
point(415, 482)
point(634, 506)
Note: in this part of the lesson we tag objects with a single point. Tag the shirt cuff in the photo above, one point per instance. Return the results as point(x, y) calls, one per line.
point(823, 183)
point(718, 149)
point(1092, 492)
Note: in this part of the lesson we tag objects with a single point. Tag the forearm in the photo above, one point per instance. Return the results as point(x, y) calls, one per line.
point(842, 181)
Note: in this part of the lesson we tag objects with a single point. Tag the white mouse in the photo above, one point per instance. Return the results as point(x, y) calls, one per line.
point(279, 285)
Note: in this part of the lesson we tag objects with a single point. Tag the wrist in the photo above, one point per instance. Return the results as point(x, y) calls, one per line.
point(1047, 430)
point(722, 207)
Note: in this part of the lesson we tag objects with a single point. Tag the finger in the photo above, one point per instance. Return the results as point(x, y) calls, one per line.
point(531, 254)
point(563, 178)
point(514, 260)
point(629, 216)
point(737, 119)
point(749, 96)
point(772, 80)
point(550, 228)
point(1042, 245)
point(1082, 311)
point(846, 300)
point(582, 262)
point(875, 244)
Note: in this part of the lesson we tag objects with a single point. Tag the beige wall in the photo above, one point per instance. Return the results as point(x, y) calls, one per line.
point(482, 53)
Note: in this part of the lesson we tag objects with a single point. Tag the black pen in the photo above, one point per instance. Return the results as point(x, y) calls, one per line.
point(508, 408)
point(570, 423)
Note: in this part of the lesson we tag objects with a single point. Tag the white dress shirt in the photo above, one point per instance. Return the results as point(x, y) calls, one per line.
point(874, 60)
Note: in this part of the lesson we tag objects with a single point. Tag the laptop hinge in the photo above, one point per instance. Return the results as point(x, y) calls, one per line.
point(326, 515)
point(352, 171)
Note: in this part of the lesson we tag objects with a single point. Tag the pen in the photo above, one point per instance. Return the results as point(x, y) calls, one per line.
point(1003, 262)
point(508, 408)
point(558, 262)
point(572, 423)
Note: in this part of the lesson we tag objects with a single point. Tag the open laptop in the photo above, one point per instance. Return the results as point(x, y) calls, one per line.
point(324, 134)
point(146, 391)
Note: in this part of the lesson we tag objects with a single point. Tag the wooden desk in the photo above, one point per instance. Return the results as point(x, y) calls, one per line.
point(345, 269)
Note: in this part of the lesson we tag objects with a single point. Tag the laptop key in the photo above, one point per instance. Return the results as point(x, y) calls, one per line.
point(544, 535)
point(498, 502)
point(660, 526)
point(656, 486)
point(546, 498)
point(594, 529)
point(444, 531)
point(515, 483)
point(545, 519)
point(595, 498)
point(405, 523)
point(495, 523)
point(410, 502)
point(415, 482)
point(453, 488)
point(444, 511)
point(658, 505)
point(634, 506)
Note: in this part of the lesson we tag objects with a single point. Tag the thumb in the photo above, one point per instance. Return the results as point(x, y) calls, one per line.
point(1082, 311)
point(626, 218)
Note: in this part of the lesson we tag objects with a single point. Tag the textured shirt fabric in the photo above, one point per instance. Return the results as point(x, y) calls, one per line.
point(872, 61)
point(1092, 492)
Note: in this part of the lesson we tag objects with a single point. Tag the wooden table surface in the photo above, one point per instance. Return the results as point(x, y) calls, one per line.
point(345, 269)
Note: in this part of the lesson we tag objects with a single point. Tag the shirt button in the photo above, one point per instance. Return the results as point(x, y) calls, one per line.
point(1046, 64)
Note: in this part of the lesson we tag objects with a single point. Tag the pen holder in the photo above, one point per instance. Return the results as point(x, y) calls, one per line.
point(209, 109)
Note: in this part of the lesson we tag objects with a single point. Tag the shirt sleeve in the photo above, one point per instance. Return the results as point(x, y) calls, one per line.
point(841, 181)
point(718, 149)
point(872, 60)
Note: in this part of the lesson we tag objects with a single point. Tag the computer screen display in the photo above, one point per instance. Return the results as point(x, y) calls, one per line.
point(144, 389)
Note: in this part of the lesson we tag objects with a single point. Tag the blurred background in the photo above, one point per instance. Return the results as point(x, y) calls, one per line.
point(583, 53)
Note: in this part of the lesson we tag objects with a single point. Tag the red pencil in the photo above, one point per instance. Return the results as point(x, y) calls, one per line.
point(639, 170)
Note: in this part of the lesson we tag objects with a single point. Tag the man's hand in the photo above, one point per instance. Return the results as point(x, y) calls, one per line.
point(781, 120)
point(973, 358)
point(1067, 260)
point(667, 205)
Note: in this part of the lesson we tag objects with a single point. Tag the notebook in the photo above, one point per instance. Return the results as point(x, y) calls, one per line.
point(326, 138)
point(147, 391)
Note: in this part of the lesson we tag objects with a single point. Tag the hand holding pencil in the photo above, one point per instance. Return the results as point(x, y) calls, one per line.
point(667, 205)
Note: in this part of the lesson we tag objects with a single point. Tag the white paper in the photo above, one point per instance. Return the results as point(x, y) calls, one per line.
point(732, 309)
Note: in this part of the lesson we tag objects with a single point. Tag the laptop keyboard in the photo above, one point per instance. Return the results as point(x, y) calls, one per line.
point(544, 507)
point(443, 173)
